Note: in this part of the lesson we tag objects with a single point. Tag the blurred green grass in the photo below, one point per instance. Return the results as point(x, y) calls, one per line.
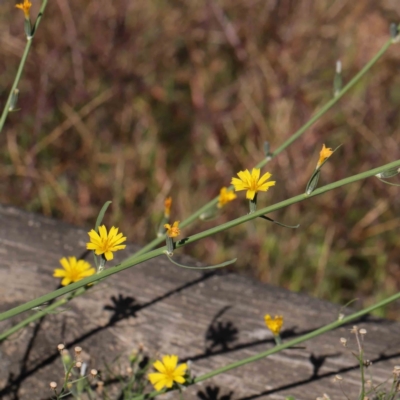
point(135, 101)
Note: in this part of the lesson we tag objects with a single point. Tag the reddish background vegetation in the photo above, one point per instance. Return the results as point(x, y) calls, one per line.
point(132, 101)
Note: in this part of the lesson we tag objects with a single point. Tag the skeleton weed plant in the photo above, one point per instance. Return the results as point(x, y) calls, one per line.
point(78, 276)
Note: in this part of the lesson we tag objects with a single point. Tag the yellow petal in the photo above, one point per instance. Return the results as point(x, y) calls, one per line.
point(255, 174)
point(238, 184)
point(179, 379)
point(266, 186)
point(94, 235)
point(59, 273)
point(245, 176)
point(180, 369)
point(64, 262)
point(155, 377)
point(119, 247)
point(159, 366)
point(85, 274)
point(264, 178)
point(66, 281)
point(113, 231)
point(91, 246)
point(170, 361)
point(168, 382)
point(103, 232)
point(250, 194)
point(160, 385)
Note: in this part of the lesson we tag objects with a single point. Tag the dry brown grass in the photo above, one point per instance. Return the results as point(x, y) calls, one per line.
point(132, 101)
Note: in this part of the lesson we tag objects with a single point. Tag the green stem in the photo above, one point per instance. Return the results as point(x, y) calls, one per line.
point(332, 102)
point(361, 362)
point(21, 67)
point(40, 314)
point(287, 143)
point(291, 343)
point(134, 260)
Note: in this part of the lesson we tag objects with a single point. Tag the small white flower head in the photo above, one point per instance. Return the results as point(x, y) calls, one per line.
point(343, 341)
point(354, 329)
point(324, 397)
point(337, 378)
point(396, 371)
point(53, 385)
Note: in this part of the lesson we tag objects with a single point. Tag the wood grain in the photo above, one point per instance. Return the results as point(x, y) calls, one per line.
point(211, 319)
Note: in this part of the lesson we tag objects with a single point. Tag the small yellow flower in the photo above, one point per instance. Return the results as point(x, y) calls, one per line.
point(252, 182)
point(274, 324)
point(74, 270)
point(106, 243)
point(225, 196)
point(167, 207)
point(325, 153)
point(168, 372)
point(173, 231)
point(25, 7)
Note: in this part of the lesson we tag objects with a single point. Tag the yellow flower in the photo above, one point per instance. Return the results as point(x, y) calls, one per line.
point(25, 7)
point(73, 270)
point(225, 197)
point(274, 324)
point(252, 182)
point(173, 231)
point(105, 243)
point(167, 207)
point(325, 153)
point(168, 372)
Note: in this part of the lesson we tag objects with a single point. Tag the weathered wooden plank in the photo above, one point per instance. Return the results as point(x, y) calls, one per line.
point(212, 319)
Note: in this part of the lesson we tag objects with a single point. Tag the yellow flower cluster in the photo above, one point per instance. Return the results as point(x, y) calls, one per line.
point(252, 182)
point(25, 7)
point(101, 243)
point(106, 243)
point(225, 196)
point(73, 270)
point(167, 207)
point(325, 153)
point(168, 372)
point(173, 231)
point(274, 324)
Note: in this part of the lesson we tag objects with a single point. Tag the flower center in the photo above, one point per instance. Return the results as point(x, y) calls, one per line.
point(74, 274)
point(253, 184)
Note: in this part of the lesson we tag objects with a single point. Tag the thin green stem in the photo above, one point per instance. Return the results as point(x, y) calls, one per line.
point(333, 101)
point(284, 145)
point(32, 318)
point(39, 314)
point(362, 367)
point(21, 67)
point(134, 260)
point(291, 343)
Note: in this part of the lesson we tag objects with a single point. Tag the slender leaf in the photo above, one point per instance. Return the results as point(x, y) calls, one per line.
point(279, 223)
point(210, 267)
point(101, 215)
